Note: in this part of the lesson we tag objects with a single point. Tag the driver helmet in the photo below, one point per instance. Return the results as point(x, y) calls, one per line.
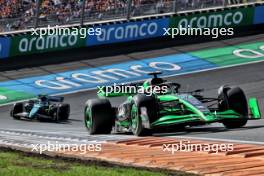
point(43, 99)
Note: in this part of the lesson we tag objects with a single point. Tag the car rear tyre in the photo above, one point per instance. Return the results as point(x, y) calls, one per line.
point(147, 102)
point(233, 98)
point(18, 108)
point(99, 116)
point(63, 112)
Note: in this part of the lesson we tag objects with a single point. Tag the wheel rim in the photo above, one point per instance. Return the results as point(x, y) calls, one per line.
point(88, 120)
point(134, 117)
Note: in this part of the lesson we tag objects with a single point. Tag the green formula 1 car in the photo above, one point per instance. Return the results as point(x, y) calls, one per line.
point(144, 111)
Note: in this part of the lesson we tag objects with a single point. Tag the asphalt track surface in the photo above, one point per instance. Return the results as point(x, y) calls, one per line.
point(249, 77)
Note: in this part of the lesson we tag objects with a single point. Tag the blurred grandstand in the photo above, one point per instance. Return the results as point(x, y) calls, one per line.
point(24, 14)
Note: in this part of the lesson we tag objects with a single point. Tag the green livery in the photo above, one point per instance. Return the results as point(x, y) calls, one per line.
point(144, 112)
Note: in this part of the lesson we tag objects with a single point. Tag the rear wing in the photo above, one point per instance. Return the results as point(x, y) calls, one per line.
point(56, 99)
point(52, 98)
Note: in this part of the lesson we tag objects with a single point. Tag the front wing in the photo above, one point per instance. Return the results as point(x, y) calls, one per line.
point(38, 116)
point(200, 118)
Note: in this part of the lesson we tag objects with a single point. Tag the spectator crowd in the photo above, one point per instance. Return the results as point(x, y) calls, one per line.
point(20, 14)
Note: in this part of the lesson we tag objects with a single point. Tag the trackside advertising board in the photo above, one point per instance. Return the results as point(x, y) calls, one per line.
point(226, 18)
point(129, 31)
point(26, 44)
point(4, 47)
point(31, 44)
point(259, 15)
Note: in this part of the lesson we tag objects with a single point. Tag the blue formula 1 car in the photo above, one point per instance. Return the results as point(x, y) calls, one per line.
point(44, 108)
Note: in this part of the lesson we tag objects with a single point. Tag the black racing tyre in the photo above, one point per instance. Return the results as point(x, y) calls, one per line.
point(18, 108)
point(140, 101)
point(99, 116)
point(63, 112)
point(233, 98)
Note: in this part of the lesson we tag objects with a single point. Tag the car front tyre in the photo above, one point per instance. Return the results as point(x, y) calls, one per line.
point(234, 98)
point(18, 108)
